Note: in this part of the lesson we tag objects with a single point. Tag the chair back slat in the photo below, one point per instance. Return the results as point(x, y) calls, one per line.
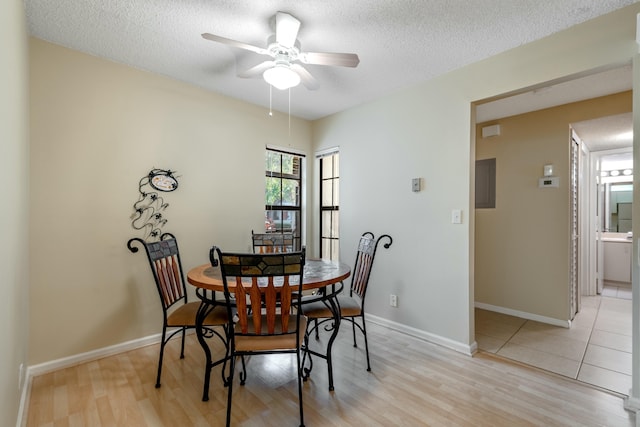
point(162, 279)
point(241, 304)
point(175, 279)
point(167, 273)
point(256, 306)
point(270, 304)
point(270, 282)
point(285, 303)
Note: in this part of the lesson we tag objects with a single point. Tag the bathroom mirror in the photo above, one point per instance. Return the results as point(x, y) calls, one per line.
point(618, 205)
point(616, 178)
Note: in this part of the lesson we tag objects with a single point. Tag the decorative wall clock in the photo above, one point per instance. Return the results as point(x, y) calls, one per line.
point(148, 210)
point(163, 180)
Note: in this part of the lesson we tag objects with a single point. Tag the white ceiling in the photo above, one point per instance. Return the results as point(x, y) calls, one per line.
point(606, 133)
point(400, 43)
point(551, 94)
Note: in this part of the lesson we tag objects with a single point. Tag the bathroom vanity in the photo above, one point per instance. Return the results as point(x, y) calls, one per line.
point(617, 257)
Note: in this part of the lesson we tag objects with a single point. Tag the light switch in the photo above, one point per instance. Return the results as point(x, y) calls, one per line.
point(456, 216)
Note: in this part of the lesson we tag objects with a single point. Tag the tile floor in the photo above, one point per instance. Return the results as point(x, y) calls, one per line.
point(596, 349)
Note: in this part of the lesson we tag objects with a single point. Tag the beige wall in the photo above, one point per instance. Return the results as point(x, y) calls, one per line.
point(14, 170)
point(97, 127)
point(522, 246)
point(424, 131)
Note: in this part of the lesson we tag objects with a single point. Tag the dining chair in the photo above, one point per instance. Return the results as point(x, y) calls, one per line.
point(271, 242)
point(265, 289)
point(178, 313)
point(351, 307)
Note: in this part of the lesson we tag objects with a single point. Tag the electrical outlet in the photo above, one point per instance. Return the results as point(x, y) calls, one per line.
point(393, 300)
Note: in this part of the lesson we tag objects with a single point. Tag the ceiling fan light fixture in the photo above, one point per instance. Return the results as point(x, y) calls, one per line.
point(281, 77)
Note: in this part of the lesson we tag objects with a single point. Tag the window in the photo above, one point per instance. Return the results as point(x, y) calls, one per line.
point(283, 206)
point(329, 206)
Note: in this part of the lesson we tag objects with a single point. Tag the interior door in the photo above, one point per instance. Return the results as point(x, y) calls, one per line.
point(574, 291)
point(600, 212)
point(584, 224)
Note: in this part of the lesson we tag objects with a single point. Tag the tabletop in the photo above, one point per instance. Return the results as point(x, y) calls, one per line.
point(318, 273)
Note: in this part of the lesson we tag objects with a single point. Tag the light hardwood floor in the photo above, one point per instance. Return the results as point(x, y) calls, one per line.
point(412, 383)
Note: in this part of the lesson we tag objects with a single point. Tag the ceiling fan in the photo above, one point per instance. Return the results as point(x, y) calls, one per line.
point(283, 71)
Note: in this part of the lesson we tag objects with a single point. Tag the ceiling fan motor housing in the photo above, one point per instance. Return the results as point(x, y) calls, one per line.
point(284, 48)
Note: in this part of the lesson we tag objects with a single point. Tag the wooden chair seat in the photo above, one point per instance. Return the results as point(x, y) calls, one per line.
point(185, 316)
point(349, 307)
point(270, 342)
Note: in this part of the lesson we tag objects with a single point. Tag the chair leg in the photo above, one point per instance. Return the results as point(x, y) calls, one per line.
point(232, 365)
point(243, 374)
point(305, 372)
point(366, 343)
point(209, 364)
point(227, 356)
point(353, 328)
point(300, 388)
point(184, 329)
point(161, 355)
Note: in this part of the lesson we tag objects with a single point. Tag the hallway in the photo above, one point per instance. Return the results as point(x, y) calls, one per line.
point(595, 350)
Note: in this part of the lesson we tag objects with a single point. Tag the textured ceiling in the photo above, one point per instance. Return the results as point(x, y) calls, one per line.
point(400, 43)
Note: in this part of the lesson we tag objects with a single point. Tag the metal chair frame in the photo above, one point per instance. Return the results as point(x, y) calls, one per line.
point(166, 266)
point(367, 248)
point(264, 310)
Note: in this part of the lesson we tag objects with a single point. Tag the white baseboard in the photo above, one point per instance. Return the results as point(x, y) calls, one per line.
point(425, 336)
point(89, 356)
point(24, 401)
point(632, 403)
point(524, 315)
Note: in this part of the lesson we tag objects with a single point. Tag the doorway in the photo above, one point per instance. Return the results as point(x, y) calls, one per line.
point(580, 200)
point(608, 187)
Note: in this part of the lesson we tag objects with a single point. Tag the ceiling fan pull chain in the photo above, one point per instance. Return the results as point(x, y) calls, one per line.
point(289, 113)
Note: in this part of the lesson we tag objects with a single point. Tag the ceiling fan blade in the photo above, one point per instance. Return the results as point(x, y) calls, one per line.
point(305, 77)
point(326, 58)
point(257, 70)
point(286, 29)
point(235, 43)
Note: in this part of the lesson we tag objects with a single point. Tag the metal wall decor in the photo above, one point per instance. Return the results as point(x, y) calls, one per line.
point(148, 210)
